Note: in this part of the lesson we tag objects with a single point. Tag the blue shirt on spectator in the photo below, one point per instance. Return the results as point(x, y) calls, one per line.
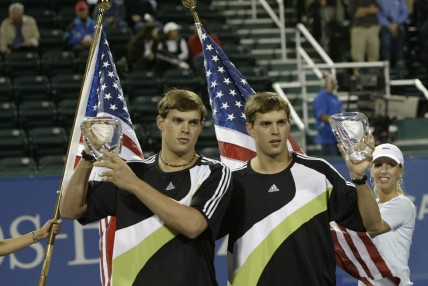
point(392, 11)
point(325, 103)
point(78, 30)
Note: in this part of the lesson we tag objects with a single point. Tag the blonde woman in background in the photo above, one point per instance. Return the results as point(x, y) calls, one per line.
point(398, 213)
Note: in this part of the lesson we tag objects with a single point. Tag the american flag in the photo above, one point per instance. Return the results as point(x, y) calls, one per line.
point(102, 95)
point(228, 91)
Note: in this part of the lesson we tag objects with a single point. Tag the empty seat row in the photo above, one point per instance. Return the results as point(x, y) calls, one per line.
point(36, 113)
point(36, 142)
point(20, 166)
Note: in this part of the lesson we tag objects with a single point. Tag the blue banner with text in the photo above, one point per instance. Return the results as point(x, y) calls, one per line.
point(26, 203)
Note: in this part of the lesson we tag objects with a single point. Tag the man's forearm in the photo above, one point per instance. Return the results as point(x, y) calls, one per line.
point(73, 201)
point(368, 207)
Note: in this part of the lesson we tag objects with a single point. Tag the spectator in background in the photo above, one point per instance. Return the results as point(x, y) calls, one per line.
point(420, 13)
point(327, 14)
point(195, 48)
point(18, 31)
point(135, 13)
point(12, 245)
point(420, 21)
point(112, 23)
point(114, 18)
point(79, 34)
point(331, 12)
point(326, 103)
point(365, 31)
point(172, 51)
point(423, 42)
point(142, 48)
point(392, 18)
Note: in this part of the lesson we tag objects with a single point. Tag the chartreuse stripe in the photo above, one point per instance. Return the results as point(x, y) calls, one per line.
point(129, 264)
point(252, 269)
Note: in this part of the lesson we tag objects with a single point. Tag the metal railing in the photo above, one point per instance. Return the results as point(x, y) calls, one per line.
point(279, 20)
point(305, 64)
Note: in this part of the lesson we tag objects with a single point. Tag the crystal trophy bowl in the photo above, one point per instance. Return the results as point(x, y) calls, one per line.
point(352, 132)
point(102, 132)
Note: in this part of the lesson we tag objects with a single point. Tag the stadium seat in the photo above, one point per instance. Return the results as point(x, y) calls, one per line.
point(66, 113)
point(22, 63)
point(260, 83)
point(8, 115)
point(118, 40)
point(207, 138)
point(144, 109)
point(178, 78)
point(13, 142)
point(141, 83)
point(2, 66)
point(51, 164)
point(173, 11)
point(6, 89)
point(153, 138)
point(210, 152)
point(48, 141)
point(31, 87)
point(66, 86)
point(45, 17)
point(51, 38)
point(17, 166)
point(37, 113)
point(57, 62)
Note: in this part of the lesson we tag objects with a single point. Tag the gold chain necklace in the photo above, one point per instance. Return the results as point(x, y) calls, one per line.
point(176, 166)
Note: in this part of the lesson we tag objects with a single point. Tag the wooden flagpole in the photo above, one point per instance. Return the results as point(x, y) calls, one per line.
point(103, 5)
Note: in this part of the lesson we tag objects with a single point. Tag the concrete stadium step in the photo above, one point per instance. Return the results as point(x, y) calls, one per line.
point(261, 32)
point(260, 23)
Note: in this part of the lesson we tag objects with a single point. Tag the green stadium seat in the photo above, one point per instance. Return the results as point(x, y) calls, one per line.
point(66, 113)
point(37, 113)
point(17, 166)
point(144, 109)
point(178, 78)
point(22, 63)
point(210, 152)
point(45, 17)
point(66, 86)
point(51, 164)
point(8, 115)
point(13, 142)
point(207, 138)
point(31, 87)
point(48, 141)
point(141, 83)
point(6, 89)
point(57, 62)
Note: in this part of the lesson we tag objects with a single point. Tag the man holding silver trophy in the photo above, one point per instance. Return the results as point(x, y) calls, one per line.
point(168, 207)
point(282, 204)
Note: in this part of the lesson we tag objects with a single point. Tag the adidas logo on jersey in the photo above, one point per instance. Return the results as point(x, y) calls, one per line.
point(170, 187)
point(273, 189)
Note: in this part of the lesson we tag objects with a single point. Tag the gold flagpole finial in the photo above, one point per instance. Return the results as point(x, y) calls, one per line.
point(104, 4)
point(191, 4)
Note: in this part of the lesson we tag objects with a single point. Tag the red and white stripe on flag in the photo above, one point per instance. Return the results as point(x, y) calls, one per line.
point(358, 256)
